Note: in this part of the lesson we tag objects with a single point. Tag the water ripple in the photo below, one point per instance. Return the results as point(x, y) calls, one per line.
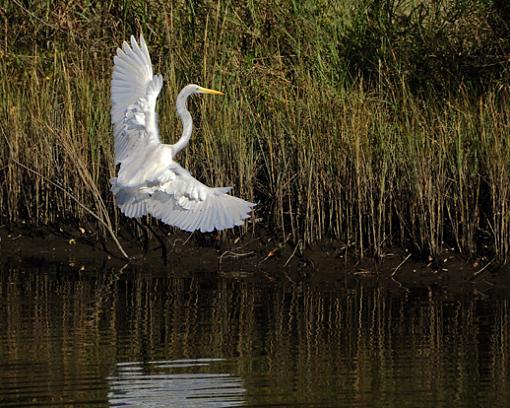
point(136, 384)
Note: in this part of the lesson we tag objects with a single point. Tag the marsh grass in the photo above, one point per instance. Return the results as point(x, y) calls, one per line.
point(326, 149)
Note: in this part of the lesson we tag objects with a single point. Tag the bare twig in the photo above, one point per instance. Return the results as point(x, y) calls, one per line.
point(83, 206)
point(477, 273)
point(180, 240)
point(187, 239)
point(231, 254)
point(400, 264)
point(292, 255)
point(275, 249)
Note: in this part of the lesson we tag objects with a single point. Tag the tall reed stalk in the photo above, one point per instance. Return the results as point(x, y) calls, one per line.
point(327, 149)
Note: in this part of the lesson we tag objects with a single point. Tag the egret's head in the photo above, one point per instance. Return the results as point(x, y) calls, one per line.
point(196, 89)
point(189, 90)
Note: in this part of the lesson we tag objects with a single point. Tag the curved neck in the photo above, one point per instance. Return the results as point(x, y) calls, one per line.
point(187, 121)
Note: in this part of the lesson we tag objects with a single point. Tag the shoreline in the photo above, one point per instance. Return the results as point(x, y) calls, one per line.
point(264, 257)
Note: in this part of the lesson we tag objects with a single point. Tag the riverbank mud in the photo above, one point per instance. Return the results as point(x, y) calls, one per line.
point(264, 257)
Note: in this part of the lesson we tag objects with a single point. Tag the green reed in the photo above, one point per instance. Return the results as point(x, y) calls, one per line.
point(329, 150)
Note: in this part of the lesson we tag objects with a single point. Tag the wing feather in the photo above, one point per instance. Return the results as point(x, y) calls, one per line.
point(223, 216)
point(134, 91)
point(170, 194)
point(186, 203)
point(214, 211)
point(207, 216)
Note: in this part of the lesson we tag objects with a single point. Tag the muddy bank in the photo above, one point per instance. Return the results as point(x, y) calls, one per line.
point(263, 256)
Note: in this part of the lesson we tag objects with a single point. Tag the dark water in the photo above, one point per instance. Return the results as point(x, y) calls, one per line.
point(135, 338)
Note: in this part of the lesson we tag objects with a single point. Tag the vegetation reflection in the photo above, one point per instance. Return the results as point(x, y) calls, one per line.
point(287, 342)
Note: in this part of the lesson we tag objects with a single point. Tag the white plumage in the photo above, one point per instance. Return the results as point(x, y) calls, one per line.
point(149, 181)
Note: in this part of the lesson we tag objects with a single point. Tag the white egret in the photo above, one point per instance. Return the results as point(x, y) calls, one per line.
point(149, 180)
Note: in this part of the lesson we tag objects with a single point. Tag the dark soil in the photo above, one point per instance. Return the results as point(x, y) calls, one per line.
point(262, 256)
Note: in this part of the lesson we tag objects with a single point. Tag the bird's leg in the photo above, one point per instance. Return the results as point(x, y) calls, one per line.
point(164, 251)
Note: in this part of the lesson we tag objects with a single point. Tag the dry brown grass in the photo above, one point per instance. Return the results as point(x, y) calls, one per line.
point(325, 157)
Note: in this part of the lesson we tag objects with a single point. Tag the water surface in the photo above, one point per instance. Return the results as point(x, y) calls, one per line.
point(135, 337)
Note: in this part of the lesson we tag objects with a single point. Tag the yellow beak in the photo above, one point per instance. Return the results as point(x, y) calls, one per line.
point(209, 91)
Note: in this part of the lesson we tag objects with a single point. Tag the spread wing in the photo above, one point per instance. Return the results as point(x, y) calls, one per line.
point(173, 196)
point(184, 202)
point(134, 92)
